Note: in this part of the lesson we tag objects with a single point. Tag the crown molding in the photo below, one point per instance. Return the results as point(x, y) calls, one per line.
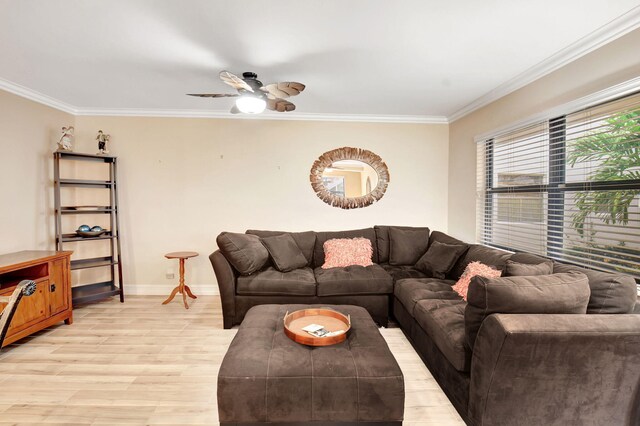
point(598, 38)
point(295, 116)
point(35, 96)
point(49, 101)
point(609, 94)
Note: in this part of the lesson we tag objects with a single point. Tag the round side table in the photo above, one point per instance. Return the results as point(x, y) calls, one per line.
point(182, 288)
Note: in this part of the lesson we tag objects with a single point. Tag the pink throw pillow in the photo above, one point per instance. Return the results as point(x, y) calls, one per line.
point(341, 252)
point(474, 269)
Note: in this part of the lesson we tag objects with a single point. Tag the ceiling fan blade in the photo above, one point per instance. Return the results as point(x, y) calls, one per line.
point(234, 81)
point(214, 95)
point(284, 89)
point(280, 105)
point(235, 110)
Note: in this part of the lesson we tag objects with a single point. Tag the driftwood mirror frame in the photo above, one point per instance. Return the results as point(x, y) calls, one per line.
point(348, 153)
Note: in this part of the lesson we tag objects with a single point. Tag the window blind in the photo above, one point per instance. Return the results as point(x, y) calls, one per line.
point(567, 188)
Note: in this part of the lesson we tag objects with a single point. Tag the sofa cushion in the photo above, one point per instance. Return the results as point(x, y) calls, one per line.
point(474, 269)
point(516, 269)
point(564, 293)
point(305, 240)
point(528, 258)
point(402, 272)
point(284, 252)
point(407, 245)
point(440, 258)
point(353, 280)
point(611, 293)
point(478, 253)
point(382, 241)
point(410, 291)
point(343, 252)
point(245, 252)
point(271, 282)
point(443, 321)
point(321, 237)
point(441, 237)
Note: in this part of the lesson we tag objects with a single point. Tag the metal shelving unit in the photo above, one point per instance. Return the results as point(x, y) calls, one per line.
point(89, 292)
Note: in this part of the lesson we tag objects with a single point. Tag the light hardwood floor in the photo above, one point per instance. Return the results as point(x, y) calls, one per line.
point(144, 363)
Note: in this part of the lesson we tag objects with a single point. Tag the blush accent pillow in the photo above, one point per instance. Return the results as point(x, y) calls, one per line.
point(474, 269)
point(341, 252)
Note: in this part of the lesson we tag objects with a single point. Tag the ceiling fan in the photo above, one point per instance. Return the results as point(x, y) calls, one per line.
point(253, 96)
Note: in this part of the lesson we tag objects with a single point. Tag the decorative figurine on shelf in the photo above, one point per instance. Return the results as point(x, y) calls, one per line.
point(102, 142)
point(66, 139)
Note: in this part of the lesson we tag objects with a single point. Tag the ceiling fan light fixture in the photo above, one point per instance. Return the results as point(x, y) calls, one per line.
point(251, 104)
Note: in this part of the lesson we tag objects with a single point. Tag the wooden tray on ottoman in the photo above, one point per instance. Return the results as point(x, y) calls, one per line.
point(328, 318)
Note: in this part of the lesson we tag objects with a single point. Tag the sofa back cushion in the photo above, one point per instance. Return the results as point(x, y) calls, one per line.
point(441, 237)
point(305, 240)
point(383, 241)
point(407, 245)
point(517, 269)
point(321, 237)
point(611, 293)
point(528, 258)
point(244, 252)
point(563, 293)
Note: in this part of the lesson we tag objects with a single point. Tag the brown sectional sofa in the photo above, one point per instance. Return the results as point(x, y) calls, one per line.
point(370, 287)
point(524, 368)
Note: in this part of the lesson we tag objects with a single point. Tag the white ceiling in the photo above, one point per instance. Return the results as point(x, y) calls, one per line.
point(377, 57)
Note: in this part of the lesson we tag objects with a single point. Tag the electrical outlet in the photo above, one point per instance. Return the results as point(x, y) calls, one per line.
point(169, 274)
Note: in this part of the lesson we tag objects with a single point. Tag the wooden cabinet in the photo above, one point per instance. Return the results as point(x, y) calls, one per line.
point(51, 303)
point(58, 276)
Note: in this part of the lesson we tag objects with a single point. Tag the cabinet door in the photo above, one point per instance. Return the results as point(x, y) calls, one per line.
point(58, 288)
point(32, 309)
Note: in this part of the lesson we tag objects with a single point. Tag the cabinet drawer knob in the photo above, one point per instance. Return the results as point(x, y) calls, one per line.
point(53, 287)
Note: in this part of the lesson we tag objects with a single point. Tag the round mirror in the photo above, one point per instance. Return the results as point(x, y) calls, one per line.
point(349, 177)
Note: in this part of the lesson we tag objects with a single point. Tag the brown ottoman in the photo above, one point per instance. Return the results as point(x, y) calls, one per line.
point(266, 377)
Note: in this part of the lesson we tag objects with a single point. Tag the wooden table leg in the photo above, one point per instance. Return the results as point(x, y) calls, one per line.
point(188, 290)
point(172, 295)
point(184, 293)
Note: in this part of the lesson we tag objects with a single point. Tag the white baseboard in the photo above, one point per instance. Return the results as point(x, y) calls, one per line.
point(165, 289)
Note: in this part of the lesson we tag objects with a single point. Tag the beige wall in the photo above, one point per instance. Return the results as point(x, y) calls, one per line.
point(183, 181)
point(28, 135)
point(612, 64)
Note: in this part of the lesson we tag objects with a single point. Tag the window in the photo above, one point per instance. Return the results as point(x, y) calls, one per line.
point(520, 207)
point(567, 188)
point(334, 184)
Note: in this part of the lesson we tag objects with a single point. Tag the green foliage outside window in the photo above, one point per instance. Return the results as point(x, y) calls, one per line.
point(617, 151)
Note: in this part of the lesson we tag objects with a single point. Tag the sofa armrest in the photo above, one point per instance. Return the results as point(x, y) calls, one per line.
point(226, 277)
point(556, 370)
